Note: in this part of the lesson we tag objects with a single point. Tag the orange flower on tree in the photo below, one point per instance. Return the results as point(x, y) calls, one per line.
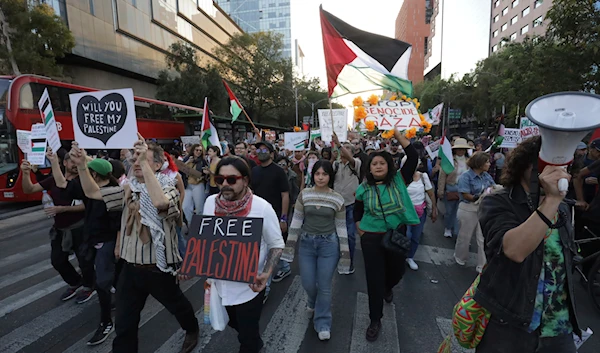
point(370, 125)
point(393, 98)
point(297, 129)
point(426, 126)
point(357, 102)
point(388, 134)
point(410, 133)
point(373, 99)
point(403, 98)
point(357, 118)
point(360, 113)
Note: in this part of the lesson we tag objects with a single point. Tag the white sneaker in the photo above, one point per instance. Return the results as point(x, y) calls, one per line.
point(448, 233)
point(324, 335)
point(459, 261)
point(412, 264)
point(479, 269)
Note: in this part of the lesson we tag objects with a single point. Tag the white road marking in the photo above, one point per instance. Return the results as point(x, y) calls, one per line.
point(445, 326)
point(388, 336)
point(29, 295)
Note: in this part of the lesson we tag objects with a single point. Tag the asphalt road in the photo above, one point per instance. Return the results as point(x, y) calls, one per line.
point(33, 319)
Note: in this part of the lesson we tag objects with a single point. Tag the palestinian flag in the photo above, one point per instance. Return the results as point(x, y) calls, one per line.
point(209, 136)
point(236, 107)
point(445, 156)
point(358, 61)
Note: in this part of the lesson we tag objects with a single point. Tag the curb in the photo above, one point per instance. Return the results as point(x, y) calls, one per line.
point(20, 212)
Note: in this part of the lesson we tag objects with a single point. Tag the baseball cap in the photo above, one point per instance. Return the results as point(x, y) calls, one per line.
point(581, 146)
point(266, 144)
point(595, 144)
point(100, 166)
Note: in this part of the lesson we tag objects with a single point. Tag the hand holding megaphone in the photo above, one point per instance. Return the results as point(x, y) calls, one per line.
point(551, 179)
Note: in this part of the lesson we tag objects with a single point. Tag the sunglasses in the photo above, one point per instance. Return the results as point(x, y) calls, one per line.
point(231, 179)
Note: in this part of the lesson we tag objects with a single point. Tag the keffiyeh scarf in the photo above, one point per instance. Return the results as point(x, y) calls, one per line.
point(237, 208)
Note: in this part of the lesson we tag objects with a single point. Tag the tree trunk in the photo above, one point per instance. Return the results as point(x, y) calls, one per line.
point(6, 34)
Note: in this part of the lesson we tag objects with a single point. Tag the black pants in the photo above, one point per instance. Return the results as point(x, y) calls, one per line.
point(135, 284)
point(60, 260)
point(105, 274)
point(244, 319)
point(384, 270)
point(501, 338)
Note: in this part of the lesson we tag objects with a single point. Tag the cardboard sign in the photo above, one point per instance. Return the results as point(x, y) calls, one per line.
point(528, 129)
point(389, 115)
point(104, 119)
point(226, 248)
point(37, 156)
point(45, 106)
point(295, 141)
point(512, 137)
point(24, 140)
point(432, 149)
point(340, 124)
point(184, 168)
point(190, 140)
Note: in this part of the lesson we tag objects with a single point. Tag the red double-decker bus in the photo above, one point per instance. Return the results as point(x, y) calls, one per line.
point(19, 110)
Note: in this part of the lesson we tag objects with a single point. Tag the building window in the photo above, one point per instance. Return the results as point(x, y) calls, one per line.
point(515, 3)
point(495, 34)
point(134, 3)
point(525, 12)
point(525, 29)
point(495, 48)
point(514, 20)
point(497, 3)
point(538, 21)
point(538, 3)
point(426, 45)
point(497, 18)
point(505, 11)
point(92, 7)
point(513, 36)
point(504, 27)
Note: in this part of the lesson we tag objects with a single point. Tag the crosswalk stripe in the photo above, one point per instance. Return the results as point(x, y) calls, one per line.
point(440, 256)
point(287, 327)
point(9, 260)
point(173, 344)
point(29, 333)
point(445, 326)
point(26, 272)
point(29, 295)
point(388, 336)
point(151, 309)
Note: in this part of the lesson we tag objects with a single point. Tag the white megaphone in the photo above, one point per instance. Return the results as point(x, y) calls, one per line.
point(564, 119)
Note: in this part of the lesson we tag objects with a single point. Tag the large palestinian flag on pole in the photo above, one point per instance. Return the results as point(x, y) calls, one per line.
point(359, 61)
point(209, 135)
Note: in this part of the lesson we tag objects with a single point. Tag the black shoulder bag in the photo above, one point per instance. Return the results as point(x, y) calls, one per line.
point(394, 239)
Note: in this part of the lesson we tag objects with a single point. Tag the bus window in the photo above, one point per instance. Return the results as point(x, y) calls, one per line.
point(8, 137)
point(26, 97)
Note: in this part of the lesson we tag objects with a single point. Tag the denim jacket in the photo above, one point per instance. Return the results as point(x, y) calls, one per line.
point(507, 288)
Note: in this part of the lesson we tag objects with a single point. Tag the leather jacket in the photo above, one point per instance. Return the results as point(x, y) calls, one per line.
point(508, 289)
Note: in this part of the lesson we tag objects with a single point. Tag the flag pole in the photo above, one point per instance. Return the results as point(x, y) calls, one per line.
point(250, 120)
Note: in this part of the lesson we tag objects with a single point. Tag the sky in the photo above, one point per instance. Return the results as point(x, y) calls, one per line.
point(372, 16)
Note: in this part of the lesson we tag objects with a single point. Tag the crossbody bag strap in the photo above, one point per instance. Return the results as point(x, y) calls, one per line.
point(381, 205)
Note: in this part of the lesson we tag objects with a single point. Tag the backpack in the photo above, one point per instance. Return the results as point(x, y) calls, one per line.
point(336, 166)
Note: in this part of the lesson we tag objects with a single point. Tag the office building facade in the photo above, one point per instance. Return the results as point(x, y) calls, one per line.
point(412, 26)
point(122, 43)
point(262, 15)
point(515, 20)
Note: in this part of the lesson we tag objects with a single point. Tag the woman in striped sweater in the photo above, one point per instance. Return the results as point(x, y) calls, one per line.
point(320, 220)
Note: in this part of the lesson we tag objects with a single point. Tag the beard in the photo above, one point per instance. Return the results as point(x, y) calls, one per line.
point(263, 157)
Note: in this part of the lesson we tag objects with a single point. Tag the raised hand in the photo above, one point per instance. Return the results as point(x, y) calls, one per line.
point(51, 155)
point(78, 155)
point(141, 148)
point(25, 166)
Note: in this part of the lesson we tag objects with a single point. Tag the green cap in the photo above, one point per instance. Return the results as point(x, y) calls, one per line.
point(100, 166)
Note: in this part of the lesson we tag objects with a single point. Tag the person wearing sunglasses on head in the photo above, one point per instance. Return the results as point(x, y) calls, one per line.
point(244, 302)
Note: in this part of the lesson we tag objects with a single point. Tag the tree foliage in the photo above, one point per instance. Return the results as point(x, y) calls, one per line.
point(37, 37)
point(185, 82)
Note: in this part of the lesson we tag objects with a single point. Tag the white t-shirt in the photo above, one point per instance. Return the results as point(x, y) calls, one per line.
point(416, 189)
point(234, 293)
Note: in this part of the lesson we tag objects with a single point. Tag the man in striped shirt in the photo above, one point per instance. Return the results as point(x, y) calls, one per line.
point(148, 245)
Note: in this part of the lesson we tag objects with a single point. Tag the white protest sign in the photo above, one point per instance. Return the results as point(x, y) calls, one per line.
point(104, 119)
point(190, 140)
point(512, 137)
point(315, 133)
point(389, 115)
point(24, 140)
point(340, 124)
point(432, 149)
point(294, 141)
point(49, 121)
point(37, 156)
point(528, 129)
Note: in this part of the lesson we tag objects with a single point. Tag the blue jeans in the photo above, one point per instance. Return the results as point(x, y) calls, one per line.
point(351, 229)
point(195, 195)
point(318, 258)
point(451, 218)
point(181, 242)
point(414, 234)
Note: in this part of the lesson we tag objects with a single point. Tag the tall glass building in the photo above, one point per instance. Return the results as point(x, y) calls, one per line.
point(262, 15)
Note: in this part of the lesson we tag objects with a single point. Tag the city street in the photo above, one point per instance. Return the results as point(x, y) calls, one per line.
point(32, 318)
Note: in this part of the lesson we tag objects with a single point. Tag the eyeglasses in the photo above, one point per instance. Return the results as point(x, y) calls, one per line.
point(231, 179)
point(263, 150)
point(282, 164)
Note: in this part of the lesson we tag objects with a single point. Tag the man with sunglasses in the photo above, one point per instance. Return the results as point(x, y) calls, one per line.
point(244, 302)
point(270, 182)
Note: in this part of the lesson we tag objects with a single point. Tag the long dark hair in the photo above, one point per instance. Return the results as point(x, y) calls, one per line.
point(520, 159)
point(238, 163)
point(391, 168)
point(327, 168)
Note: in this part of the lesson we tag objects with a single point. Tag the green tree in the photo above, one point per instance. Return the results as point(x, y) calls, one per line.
point(185, 82)
point(261, 78)
point(32, 38)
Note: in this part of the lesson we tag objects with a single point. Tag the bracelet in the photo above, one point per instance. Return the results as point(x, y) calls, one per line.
point(544, 218)
point(82, 168)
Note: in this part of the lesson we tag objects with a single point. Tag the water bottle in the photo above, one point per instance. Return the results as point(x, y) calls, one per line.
point(207, 305)
point(47, 200)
